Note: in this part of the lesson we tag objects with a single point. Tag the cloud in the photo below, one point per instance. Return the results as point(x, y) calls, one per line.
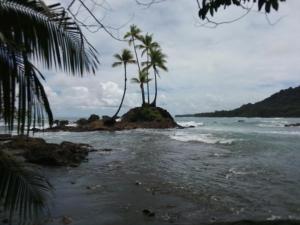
point(209, 69)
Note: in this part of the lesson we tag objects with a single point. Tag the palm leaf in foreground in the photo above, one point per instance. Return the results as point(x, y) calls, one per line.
point(22, 191)
point(32, 31)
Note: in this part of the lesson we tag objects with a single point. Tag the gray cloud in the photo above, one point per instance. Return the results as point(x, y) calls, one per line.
point(209, 69)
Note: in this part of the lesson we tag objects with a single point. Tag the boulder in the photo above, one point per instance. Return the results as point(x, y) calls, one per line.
point(38, 151)
point(61, 123)
point(108, 121)
point(5, 137)
point(147, 117)
point(65, 154)
point(93, 118)
point(292, 125)
point(82, 122)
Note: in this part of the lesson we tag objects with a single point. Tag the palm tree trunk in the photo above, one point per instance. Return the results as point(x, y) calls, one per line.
point(148, 91)
point(143, 93)
point(155, 96)
point(136, 56)
point(125, 87)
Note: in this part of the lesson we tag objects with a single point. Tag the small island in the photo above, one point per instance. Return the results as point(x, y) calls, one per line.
point(146, 117)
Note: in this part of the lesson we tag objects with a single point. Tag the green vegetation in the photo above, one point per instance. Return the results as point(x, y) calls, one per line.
point(147, 44)
point(31, 31)
point(155, 60)
point(21, 189)
point(141, 80)
point(146, 113)
point(212, 6)
point(149, 114)
point(285, 103)
point(125, 58)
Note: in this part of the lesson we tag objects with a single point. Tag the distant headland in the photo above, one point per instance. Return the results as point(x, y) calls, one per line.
point(285, 103)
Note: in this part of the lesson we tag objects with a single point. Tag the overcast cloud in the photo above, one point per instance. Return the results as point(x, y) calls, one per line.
point(209, 69)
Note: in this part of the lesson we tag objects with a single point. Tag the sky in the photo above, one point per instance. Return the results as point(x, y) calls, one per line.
point(208, 68)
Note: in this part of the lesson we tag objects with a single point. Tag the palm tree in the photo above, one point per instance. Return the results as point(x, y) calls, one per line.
point(146, 46)
point(157, 61)
point(141, 80)
point(125, 58)
point(132, 35)
point(32, 31)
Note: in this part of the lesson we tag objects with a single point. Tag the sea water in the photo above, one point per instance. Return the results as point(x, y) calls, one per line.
point(219, 169)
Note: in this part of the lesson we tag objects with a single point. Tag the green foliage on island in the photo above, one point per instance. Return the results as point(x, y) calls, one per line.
point(146, 114)
point(285, 103)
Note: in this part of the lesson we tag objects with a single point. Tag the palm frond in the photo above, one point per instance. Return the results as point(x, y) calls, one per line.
point(133, 33)
point(30, 30)
point(123, 58)
point(48, 36)
point(22, 191)
point(118, 57)
point(135, 80)
point(132, 61)
point(115, 64)
point(21, 93)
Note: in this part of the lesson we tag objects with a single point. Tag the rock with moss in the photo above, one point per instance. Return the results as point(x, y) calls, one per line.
point(147, 117)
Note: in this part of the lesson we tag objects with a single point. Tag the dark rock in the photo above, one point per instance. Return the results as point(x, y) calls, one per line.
point(93, 118)
point(94, 187)
point(148, 213)
point(82, 122)
point(152, 214)
point(34, 130)
point(108, 121)
point(253, 222)
point(292, 125)
point(106, 150)
point(36, 150)
point(5, 137)
point(67, 220)
point(5, 221)
point(61, 123)
point(147, 117)
point(138, 183)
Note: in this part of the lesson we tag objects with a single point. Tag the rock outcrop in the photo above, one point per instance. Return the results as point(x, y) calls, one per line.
point(147, 117)
point(38, 151)
point(139, 117)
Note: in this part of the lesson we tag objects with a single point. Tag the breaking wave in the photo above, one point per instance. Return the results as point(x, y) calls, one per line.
point(203, 138)
point(191, 123)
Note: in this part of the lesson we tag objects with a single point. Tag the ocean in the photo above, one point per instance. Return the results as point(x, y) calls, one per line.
point(222, 169)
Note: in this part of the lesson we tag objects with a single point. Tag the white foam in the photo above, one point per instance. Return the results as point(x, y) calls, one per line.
point(234, 171)
point(273, 217)
point(272, 123)
point(191, 123)
point(204, 138)
point(71, 125)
